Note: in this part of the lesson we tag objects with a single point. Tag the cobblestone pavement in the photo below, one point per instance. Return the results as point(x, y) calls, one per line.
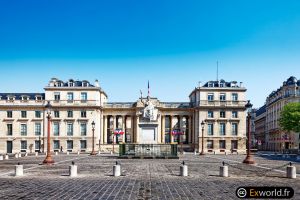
point(141, 179)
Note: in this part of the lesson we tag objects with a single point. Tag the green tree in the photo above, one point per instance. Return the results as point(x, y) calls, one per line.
point(290, 117)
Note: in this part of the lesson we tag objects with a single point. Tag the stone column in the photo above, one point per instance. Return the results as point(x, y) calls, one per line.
point(114, 128)
point(123, 127)
point(105, 129)
point(163, 129)
point(171, 128)
point(101, 128)
point(190, 129)
point(137, 137)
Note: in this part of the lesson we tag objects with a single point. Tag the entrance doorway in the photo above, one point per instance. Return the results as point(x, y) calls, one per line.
point(9, 146)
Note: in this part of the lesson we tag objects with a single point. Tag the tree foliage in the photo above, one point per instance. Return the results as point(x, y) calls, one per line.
point(290, 117)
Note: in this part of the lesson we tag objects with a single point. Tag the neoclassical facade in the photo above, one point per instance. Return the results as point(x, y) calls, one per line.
point(269, 115)
point(220, 105)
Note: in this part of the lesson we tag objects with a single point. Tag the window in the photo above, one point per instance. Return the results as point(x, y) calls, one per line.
point(25, 98)
point(222, 84)
point(56, 114)
point(234, 128)
point(210, 129)
point(56, 129)
point(70, 144)
point(234, 96)
point(85, 84)
point(83, 96)
point(70, 113)
point(222, 144)
point(56, 144)
point(70, 96)
point(222, 97)
point(222, 114)
point(23, 145)
point(83, 114)
point(70, 129)
point(210, 144)
point(210, 114)
point(210, 97)
point(56, 96)
point(37, 114)
point(234, 114)
point(83, 129)
point(37, 128)
point(210, 84)
point(222, 129)
point(37, 145)
point(10, 98)
point(38, 98)
point(234, 144)
point(9, 114)
point(9, 129)
point(23, 129)
point(23, 114)
point(82, 144)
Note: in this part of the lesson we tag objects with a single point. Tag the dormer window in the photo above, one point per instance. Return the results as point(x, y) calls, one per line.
point(222, 84)
point(10, 98)
point(85, 84)
point(38, 98)
point(210, 84)
point(25, 98)
point(71, 84)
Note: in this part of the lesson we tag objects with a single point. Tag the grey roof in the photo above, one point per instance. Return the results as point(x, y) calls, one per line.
point(261, 110)
point(218, 83)
point(18, 96)
point(290, 81)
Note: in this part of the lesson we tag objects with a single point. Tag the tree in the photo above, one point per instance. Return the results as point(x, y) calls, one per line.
point(290, 117)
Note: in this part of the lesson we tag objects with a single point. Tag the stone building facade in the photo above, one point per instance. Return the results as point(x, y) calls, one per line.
point(277, 139)
point(76, 104)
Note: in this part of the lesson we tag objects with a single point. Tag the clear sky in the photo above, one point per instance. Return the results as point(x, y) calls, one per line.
point(173, 44)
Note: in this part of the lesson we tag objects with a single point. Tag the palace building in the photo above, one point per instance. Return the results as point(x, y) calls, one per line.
point(218, 105)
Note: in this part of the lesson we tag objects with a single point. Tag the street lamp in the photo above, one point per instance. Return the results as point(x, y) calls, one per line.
point(202, 147)
point(93, 142)
point(249, 159)
point(48, 160)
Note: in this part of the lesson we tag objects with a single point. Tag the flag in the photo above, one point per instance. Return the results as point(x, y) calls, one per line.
point(118, 132)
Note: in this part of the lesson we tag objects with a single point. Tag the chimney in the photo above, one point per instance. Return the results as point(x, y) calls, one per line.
point(97, 83)
point(241, 84)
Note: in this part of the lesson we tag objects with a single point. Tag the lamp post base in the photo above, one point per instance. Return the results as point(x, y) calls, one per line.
point(249, 160)
point(93, 153)
point(48, 160)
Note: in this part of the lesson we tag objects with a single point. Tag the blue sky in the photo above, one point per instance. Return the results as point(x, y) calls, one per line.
point(174, 44)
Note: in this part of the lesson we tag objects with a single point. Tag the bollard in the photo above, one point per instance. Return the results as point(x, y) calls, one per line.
point(225, 153)
point(224, 170)
point(36, 153)
point(99, 152)
point(291, 171)
point(117, 169)
point(6, 157)
point(68, 153)
point(26, 154)
point(183, 169)
point(1, 157)
point(56, 153)
point(18, 170)
point(20, 155)
point(78, 152)
point(111, 152)
point(16, 155)
point(195, 152)
point(73, 170)
point(214, 152)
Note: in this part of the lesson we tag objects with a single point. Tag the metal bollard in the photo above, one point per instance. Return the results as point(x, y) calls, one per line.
point(99, 152)
point(111, 152)
point(78, 152)
point(56, 153)
point(6, 157)
point(18, 170)
point(20, 155)
point(195, 152)
point(73, 170)
point(16, 155)
point(68, 153)
point(291, 171)
point(117, 169)
point(223, 170)
point(26, 154)
point(1, 157)
point(36, 153)
point(183, 169)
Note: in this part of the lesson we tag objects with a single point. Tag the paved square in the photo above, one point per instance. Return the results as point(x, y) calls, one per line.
point(141, 179)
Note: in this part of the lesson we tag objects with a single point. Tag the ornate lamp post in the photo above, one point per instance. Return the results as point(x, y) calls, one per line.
point(48, 160)
point(93, 141)
point(202, 141)
point(249, 159)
